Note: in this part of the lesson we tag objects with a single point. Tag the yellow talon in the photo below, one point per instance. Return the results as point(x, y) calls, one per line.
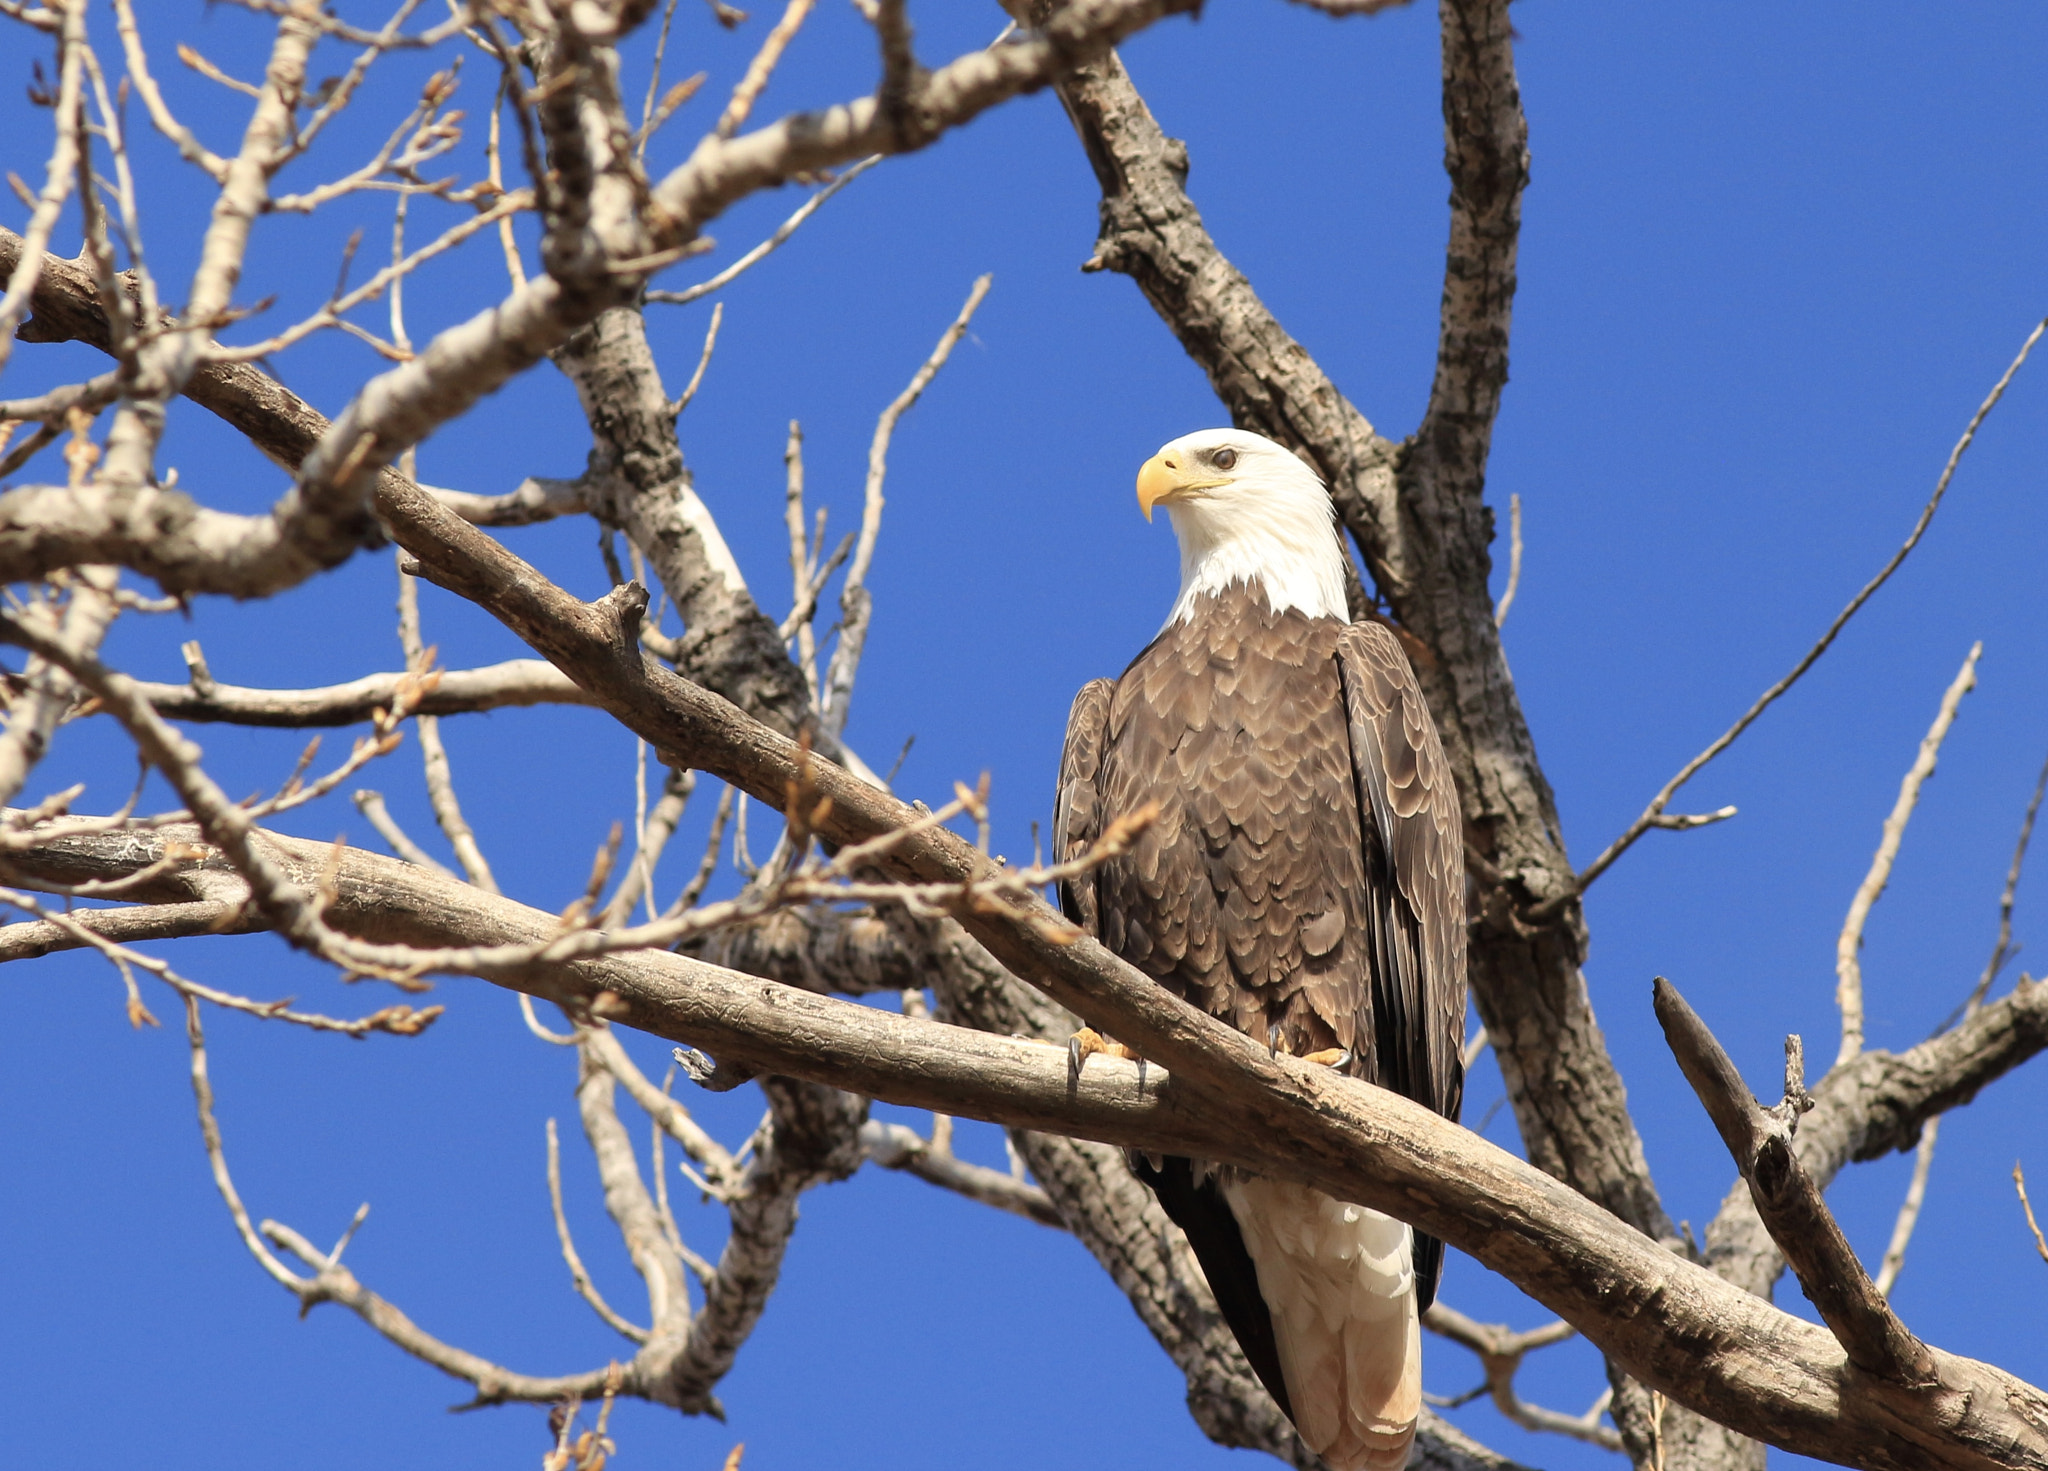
point(1085, 1043)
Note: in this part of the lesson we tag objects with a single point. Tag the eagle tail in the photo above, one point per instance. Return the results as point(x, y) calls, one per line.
point(1339, 1282)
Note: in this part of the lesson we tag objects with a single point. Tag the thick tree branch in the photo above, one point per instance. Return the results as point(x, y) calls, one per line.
point(829, 951)
point(1790, 1202)
point(1876, 1105)
point(637, 481)
point(1674, 1326)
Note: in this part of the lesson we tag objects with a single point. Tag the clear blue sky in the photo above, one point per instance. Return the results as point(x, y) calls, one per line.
point(1772, 259)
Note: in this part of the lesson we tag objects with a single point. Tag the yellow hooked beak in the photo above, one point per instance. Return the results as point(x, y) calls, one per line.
point(1169, 476)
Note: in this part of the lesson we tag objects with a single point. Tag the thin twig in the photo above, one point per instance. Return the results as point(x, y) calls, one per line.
point(1727, 738)
point(2004, 950)
point(533, 1025)
point(433, 754)
point(2019, 1182)
point(855, 606)
point(1507, 597)
point(668, 17)
point(1848, 965)
point(654, 830)
point(585, 1288)
point(774, 241)
point(371, 805)
point(1474, 1045)
point(137, 55)
point(714, 846)
point(761, 68)
point(58, 178)
point(216, 1156)
point(1501, 1351)
point(703, 361)
point(1909, 1209)
point(494, 157)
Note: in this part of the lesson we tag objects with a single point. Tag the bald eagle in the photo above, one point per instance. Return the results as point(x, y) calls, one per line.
point(1304, 881)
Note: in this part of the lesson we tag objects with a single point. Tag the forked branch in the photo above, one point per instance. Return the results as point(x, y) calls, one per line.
point(1791, 1204)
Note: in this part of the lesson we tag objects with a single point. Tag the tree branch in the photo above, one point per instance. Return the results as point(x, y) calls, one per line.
point(1848, 963)
point(513, 683)
point(1764, 701)
point(637, 481)
point(324, 517)
point(896, 1147)
point(1678, 1328)
point(1790, 1203)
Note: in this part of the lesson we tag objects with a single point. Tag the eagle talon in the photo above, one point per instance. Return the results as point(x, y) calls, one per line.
point(1085, 1043)
point(1331, 1057)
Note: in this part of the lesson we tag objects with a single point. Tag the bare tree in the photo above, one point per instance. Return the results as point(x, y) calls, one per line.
point(849, 893)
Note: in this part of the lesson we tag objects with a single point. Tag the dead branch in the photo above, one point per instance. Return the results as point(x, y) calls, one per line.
point(1727, 738)
point(2003, 949)
point(1909, 1209)
point(643, 486)
point(830, 951)
point(1848, 967)
point(1500, 1352)
point(2019, 1183)
point(774, 242)
point(578, 1277)
point(714, 1164)
point(1642, 1305)
point(371, 805)
point(24, 269)
point(511, 684)
point(137, 57)
point(761, 68)
point(433, 753)
point(855, 605)
point(627, 1202)
point(652, 833)
point(895, 1147)
point(1507, 596)
point(703, 360)
point(1791, 1205)
point(534, 501)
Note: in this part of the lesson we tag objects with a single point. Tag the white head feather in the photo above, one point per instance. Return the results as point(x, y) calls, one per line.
point(1247, 510)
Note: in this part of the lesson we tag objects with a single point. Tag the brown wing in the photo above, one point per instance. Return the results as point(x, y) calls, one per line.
point(1415, 866)
point(1077, 809)
point(1406, 784)
point(1193, 1202)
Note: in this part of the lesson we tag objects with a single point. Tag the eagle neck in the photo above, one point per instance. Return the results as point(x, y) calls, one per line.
point(1293, 563)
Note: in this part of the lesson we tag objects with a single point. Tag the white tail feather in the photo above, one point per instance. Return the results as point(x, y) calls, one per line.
point(1339, 1281)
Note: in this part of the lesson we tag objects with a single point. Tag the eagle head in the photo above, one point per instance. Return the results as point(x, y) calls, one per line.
point(1247, 510)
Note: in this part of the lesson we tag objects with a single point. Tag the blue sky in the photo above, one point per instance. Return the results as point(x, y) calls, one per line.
point(1771, 261)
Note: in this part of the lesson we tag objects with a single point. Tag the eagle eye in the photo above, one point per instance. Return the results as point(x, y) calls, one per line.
point(1224, 458)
